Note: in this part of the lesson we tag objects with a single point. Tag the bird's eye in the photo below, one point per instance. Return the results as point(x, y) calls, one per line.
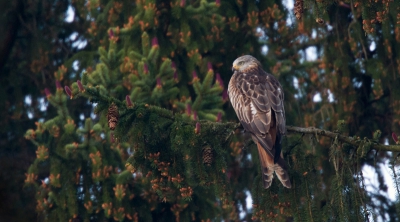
point(240, 63)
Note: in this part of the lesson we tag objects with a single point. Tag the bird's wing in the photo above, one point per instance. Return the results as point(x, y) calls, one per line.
point(258, 102)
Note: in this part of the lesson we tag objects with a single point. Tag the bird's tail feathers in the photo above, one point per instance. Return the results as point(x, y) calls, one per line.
point(282, 173)
point(268, 167)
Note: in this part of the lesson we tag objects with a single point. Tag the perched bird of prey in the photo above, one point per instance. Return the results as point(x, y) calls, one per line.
point(257, 98)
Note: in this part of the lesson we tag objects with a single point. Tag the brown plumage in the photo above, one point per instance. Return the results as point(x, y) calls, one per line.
point(257, 98)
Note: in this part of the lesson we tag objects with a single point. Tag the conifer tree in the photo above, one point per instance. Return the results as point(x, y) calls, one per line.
point(35, 41)
point(160, 147)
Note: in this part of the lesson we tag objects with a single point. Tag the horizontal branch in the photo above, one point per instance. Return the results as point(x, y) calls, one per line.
point(94, 93)
point(350, 140)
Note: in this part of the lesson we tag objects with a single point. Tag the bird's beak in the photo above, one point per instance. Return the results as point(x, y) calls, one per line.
point(234, 68)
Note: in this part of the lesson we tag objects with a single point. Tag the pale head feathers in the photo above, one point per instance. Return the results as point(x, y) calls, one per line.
point(245, 62)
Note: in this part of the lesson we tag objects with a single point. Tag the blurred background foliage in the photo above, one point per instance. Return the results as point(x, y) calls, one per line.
point(338, 61)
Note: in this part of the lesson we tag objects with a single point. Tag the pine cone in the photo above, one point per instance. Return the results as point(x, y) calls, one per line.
point(207, 155)
point(320, 21)
point(298, 8)
point(112, 116)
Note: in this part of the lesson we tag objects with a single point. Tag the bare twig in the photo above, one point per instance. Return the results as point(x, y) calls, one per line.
point(342, 138)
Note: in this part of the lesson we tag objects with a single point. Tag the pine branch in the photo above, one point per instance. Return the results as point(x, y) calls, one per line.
point(350, 140)
point(96, 96)
point(354, 141)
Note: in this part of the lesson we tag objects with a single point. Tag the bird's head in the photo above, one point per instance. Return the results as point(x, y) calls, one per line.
point(245, 62)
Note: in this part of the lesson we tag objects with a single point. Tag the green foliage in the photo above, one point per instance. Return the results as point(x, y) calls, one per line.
point(157, 61)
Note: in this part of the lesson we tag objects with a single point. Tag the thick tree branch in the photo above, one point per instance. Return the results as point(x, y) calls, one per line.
point(10, 33)
point(350, 140)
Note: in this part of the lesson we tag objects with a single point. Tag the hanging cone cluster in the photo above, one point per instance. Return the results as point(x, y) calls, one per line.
point(298, 8)
point(207, 155)
point(112, 116)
